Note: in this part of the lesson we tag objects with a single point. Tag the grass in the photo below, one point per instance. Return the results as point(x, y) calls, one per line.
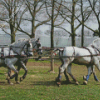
point(40, 85)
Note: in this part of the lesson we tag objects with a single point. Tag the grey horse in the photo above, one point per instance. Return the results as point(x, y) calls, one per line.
point(89, 56)
point(16, 54)
point(36, 49)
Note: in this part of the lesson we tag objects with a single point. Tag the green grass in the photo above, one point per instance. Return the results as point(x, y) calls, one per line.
point(40, 85)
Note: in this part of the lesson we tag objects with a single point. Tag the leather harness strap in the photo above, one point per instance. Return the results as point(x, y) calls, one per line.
point(10, 56)
point(2, 52)
point(95, 48)
point(90, 55)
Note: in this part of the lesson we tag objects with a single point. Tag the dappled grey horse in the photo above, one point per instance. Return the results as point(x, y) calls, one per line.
point(36, 49)
point(89, 56)
point(16, 54)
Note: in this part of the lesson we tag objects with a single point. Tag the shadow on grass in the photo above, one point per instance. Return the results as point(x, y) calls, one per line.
point(2, 74)
point(2, 83)
point(50, 83)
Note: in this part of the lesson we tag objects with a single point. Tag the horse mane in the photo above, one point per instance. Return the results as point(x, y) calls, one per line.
point(18, 46)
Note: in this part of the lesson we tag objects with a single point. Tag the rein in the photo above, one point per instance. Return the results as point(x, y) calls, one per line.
point(95, 48)
point(78, 56)
point(11, 56)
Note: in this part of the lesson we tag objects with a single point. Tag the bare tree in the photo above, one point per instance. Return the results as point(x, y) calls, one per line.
point(36, 12)
point(68, 13)
point(52, 10)
point(85, 14)
point(13, 8)
point(71, 13)
point(95, 6)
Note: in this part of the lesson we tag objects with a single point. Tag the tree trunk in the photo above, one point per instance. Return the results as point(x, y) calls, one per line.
point(12, 37)
point(33, 20)
point(99, 29)
point(82, 37)
point(73, 40)
point(72, 24)
point(12, 33)
point(52, 33)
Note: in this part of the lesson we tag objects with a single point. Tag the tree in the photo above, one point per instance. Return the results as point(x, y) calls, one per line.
point(53, 14)
point(95, 6)
point(36, 12)
point(68, 13)
point(71, 13)
point(13, 7)
point(85, 14)
point(52, 24)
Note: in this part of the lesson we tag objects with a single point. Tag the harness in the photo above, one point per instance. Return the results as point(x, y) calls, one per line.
point(10, 55)
point(95, 48)
point(2, 52)
point(73, 55)
point(90, 55)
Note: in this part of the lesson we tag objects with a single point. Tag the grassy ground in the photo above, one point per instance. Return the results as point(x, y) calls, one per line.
point(40, 85)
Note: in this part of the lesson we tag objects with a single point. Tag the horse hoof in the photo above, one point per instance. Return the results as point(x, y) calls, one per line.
point(84, 77)
point(17, 82)
point(77, 83)
point(11, 83)
point(85, 82)
point(58, 83)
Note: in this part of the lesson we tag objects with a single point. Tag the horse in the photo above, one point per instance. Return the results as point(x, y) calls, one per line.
point(89, 56)
point(36, 48)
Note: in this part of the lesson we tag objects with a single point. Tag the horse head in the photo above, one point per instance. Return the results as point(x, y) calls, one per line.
point(36, 46)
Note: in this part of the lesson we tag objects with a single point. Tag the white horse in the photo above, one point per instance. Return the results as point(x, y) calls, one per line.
point(89, 56)
point(16, 54)
point(36, 49)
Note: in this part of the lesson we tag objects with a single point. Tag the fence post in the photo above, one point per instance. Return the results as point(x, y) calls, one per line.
point(52, 62)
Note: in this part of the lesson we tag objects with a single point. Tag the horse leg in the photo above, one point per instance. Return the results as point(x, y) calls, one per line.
point(8, 76)
point(88, 75)
point(94, 74)
point(9, 73)
point(69, 72)
point(61, 70)
point(16, 75)
point(18, 68)
point(67, 78)
point(24, 67)
point(84, 77)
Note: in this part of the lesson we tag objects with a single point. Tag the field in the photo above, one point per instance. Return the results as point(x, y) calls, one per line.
point(40, 84)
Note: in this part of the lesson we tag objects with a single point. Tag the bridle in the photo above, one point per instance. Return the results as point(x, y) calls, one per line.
point(37, 44)
point(27, 46)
